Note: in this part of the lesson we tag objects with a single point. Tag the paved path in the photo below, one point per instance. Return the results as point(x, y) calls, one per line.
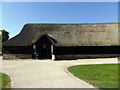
point(47, 74)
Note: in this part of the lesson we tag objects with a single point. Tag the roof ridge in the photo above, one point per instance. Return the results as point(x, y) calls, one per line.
point(70, 23)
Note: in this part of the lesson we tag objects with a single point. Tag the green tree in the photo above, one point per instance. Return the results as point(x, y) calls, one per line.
point(4, 35)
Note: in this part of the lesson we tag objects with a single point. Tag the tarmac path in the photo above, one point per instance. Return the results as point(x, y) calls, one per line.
point(47, 73)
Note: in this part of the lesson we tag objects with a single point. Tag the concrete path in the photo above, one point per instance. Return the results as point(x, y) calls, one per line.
point(47, 73)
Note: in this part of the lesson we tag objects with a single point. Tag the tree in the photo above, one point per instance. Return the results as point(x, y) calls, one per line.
point(4, 35)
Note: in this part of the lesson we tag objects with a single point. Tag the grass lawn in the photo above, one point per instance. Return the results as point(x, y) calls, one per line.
point(4, 80)
point(99, 75)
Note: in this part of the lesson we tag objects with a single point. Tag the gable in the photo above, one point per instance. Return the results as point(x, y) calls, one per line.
point(46, 39)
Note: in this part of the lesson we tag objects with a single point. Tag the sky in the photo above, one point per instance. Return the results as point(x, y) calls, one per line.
point(16, 14)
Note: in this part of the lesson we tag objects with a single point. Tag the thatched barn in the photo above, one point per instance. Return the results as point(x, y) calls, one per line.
point(63, 41)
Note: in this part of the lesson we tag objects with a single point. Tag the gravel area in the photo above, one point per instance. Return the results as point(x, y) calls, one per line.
point(47, 73)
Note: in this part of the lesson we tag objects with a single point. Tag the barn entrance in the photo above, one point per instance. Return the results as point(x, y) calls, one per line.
point(43, 47)
point(44, 51)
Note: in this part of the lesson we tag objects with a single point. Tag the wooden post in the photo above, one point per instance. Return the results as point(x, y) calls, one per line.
point(53, 56)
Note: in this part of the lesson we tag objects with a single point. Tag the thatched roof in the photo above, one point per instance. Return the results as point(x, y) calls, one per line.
point(85, 34)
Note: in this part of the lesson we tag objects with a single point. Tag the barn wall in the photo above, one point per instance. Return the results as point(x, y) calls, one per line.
point(86, 52)
point(92, 34)
point(119, 34)
point(17, 49)
point(17, 52)
point(65, 50)
point(16, 56)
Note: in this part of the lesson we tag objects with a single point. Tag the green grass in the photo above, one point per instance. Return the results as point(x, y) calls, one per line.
point(99, 75)
point(4, 80)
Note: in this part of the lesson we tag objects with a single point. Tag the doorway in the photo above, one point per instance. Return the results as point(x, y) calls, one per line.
point(43, 47)
point(44, 51)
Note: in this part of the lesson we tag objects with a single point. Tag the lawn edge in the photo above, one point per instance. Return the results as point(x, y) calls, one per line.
point(10, 84)
point(71, 75)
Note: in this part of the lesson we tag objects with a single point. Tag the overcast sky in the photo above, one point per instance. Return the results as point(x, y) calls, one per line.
point(16, 14)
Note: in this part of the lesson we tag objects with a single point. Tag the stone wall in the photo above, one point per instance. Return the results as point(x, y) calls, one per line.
point(59, 57)
point(72, 57)
point(16, 56)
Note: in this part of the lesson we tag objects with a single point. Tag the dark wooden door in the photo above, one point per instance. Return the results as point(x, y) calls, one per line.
point(44, 51)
